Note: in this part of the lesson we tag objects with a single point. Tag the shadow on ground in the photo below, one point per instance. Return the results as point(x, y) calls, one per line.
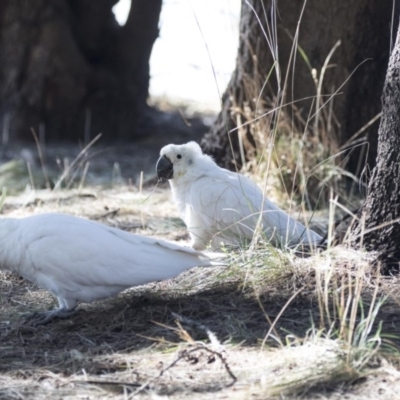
point(146, 316)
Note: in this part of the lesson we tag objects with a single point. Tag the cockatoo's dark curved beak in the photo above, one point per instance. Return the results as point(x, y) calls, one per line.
point(164, 168)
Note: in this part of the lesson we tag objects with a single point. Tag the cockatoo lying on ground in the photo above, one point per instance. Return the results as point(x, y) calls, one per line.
point(81, 261)
point(221, 206)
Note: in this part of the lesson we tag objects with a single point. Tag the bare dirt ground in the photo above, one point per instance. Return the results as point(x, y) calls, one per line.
point(246, 330)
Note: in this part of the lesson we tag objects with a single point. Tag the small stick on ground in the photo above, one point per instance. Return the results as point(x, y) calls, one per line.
point(185, 354)
point(211, 335)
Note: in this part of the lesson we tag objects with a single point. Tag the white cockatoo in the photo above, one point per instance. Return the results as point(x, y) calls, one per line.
point(221, 206)
point(81, 261)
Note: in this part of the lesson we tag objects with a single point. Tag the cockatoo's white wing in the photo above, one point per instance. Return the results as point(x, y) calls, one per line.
point(279, 226)
point(83, 260)
point(230, 205)
point(226, 204)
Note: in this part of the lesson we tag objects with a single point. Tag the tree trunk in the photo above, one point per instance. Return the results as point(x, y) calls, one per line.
point(356, 69)
point(69, 70)
point(379, 225)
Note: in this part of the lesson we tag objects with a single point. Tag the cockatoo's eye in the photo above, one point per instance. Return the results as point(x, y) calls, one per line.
point(179, 156)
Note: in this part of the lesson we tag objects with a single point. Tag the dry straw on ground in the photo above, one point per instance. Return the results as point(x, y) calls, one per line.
point(267, 324)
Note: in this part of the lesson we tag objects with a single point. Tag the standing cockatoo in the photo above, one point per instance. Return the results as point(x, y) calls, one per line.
point(221, 206)
point(81, 261)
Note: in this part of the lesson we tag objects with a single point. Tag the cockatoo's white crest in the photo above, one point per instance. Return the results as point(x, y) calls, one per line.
point(82, 261)
point(221, 206)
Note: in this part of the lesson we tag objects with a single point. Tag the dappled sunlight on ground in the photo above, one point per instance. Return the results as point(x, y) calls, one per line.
point(206, 332)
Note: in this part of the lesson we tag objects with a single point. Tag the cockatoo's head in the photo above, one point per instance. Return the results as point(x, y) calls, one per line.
point(178, 160)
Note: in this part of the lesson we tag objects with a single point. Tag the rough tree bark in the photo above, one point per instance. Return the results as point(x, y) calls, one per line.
point(378, 227)
point(363, 29)
point(67, 63)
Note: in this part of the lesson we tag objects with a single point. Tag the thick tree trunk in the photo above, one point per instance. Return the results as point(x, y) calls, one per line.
point(67, 67)
point(379, 225)
point(363, 30)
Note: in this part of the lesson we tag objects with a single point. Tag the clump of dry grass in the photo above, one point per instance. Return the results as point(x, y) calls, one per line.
point(295, 149)
point(303, 162)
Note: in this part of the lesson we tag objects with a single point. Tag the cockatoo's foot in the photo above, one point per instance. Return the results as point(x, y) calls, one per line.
point(44, 318)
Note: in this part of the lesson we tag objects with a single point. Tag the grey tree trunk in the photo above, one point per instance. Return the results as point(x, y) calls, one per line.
point(67, 67)
point(379, 225)
point(364, 31)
